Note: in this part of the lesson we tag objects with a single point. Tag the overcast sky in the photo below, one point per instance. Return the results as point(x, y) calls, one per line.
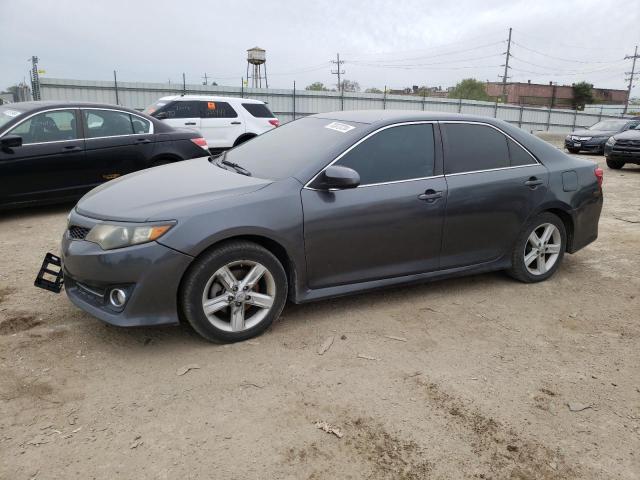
point(395, 43)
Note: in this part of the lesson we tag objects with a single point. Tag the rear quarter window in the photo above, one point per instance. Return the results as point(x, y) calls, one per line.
point(217, 110)
point(258, 110)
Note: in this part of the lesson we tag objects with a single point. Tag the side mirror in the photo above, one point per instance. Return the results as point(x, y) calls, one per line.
point(11, 141)
point(338, 177)
point(160, 115)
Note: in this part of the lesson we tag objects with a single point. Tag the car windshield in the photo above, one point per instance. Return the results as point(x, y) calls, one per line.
point(284, 151)
point(8, 113)
point(612, 125)
point(154, 107)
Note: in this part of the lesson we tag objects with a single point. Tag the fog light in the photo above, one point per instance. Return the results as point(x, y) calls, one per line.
point(117, 297)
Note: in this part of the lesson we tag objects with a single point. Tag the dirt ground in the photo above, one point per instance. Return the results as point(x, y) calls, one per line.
point(476, 383)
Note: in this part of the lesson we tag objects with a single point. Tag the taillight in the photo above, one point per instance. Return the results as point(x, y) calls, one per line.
point(599, 175)
point(201, 142)
point(275, 122)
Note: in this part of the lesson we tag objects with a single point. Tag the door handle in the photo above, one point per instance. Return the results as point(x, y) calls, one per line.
point(533, 182)
point(71, 148)
point(140, 141)
point(190, 123)
point(236, 123)
point(430, 196)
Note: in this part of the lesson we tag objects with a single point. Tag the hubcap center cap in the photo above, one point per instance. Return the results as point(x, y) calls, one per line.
point(241, 297)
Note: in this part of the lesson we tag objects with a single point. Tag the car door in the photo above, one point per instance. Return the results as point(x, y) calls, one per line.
point(388, 226)
point(113, 148)
point(221, 124)
point(181, 114)
point(493, 185)
point(49, 162)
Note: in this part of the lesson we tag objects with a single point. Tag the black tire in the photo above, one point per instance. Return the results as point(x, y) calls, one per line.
point(573, 150)
point(615, 164)
point(242, 139)
point(518, 268)
point(201, 272)
point(160, 161)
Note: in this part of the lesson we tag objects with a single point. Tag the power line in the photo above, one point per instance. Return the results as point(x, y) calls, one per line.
point(560, 58)
point(417, 65)
point(427, 57)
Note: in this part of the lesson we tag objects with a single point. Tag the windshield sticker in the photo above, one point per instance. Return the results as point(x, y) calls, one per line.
point(339, 127)
point(11, 113)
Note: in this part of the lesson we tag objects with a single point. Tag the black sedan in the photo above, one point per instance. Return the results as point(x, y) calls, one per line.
point(593, 138)
point(328, 205)
point(53, 151)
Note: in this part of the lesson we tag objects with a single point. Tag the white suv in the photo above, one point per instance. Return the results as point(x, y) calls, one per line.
point(223, 121)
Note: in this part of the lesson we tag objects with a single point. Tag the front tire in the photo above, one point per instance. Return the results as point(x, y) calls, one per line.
point(539, 249)
point(615, 164)
point(233, 292)
point(573, 150)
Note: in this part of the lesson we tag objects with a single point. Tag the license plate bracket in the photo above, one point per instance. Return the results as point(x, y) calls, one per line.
point(50, 276)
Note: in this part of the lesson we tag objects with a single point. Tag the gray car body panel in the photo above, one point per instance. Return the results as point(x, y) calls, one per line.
point(342, 242)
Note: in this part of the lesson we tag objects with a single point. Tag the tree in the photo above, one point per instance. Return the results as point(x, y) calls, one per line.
point(582, 94)
point(471, 89)
point(373, 90)
point(350, 86)
point(317, 86)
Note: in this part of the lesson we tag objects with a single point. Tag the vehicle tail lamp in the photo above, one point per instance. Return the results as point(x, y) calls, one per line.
point(599, 175)
point(275, 122)
point(201, 142)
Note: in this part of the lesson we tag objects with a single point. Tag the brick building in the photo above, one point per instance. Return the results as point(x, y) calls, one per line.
point(550, 95)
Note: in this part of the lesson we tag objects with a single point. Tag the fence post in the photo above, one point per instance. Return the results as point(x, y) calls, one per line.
point(495, 109)
point(341, 97)
point(115, 85)
point(384, 99)
point(294, 99)
point(241, 87)
point(424, 94)
point(520, 116)
point(575, 119)
point(460, 105)
point(600, 117)
point(549, 119)
point(184, 84)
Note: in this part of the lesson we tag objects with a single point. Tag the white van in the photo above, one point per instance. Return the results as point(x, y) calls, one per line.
point(223, 121)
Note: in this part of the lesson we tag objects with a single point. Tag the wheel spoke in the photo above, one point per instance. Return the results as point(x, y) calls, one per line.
point(227, 278)
point(534, 239)
point(546, 235)
point(215, 304)
point(542, 264)
point(260, 300)
point(530, 257)
point(237, 318)
point(553, 248)
point(253, 276)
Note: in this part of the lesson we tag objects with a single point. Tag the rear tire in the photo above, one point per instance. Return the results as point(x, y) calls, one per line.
point(539, 249)
point(242, 139)
point(241, 285)
point(615, 164)
point(573, 150)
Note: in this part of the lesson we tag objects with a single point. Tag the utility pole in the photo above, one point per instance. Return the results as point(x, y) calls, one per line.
point(206, 79)
point(506, 69)
point(338, 71)
point(35, 79)
point(632, 75)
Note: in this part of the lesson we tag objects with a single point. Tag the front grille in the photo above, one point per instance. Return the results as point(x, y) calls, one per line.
point(78, 233)
point(628, 143)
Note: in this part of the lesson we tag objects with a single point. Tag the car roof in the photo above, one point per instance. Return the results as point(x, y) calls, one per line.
point(209, 98)
point(385, 117)
point(48, 104)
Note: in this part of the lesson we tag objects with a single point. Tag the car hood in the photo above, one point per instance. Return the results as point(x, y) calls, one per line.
point(594, 133)
point(154, 193)
point(628, 135)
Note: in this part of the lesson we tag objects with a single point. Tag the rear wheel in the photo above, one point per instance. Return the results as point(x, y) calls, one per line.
point(615, 164)
point(234, 292)
point(539, 249)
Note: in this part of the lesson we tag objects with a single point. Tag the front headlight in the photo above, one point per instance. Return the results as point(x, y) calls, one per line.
point(110, 236)
point(611, 142)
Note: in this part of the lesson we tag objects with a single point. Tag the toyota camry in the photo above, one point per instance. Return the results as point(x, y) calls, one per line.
point(328, 205)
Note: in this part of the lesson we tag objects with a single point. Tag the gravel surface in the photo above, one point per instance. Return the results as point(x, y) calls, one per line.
point(478, 377)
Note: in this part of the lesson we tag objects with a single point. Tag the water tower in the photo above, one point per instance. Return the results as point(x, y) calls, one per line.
point(256, 58)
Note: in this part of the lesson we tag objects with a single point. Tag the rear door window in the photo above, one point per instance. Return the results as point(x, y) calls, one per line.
point(398, 153)
point(258, 110)
point(518, 155)
point(48, 127)
point(471, 148)
point(106, 123)
point(217, 110)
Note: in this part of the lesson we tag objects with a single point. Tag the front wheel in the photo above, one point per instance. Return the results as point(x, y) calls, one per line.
point(573, 150)
point(539, 249)
point(234, 292)
point(614, 164)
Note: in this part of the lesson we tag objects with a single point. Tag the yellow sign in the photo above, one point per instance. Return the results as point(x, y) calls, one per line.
point(42, 71)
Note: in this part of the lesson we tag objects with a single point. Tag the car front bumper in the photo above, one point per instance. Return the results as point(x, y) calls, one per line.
point(623, 154)
point(150, 274)
point(593, 145)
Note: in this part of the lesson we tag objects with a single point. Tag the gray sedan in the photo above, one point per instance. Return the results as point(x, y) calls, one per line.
point(328, 205)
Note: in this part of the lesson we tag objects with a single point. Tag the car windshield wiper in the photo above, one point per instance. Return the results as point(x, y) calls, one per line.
point(220, 160)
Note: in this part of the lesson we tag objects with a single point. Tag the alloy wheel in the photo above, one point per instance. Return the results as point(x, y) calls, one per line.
point(239, 295)
point(542, 249)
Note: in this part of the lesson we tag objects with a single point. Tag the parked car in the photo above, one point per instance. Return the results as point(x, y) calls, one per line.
point(328, 205)
point(593, 138)
point(623, 148)
point(56, 151)
point(223, 121)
